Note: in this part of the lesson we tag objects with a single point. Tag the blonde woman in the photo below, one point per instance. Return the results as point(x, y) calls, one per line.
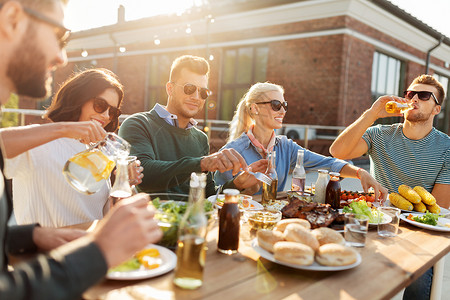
point(252, 134)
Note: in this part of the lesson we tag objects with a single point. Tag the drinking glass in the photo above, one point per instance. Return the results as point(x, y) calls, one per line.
point(388, 220)
point(355, 230)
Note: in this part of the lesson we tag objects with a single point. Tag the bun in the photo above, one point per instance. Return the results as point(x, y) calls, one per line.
point(281, 226)
point(326, 235)
point(293, 253)
point(336, 255)
point(298, 233)
point(268, 238)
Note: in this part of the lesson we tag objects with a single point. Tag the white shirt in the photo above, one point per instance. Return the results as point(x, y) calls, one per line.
point(41, 193)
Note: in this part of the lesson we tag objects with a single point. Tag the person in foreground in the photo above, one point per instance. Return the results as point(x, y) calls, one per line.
point(169, 145)
point(32, 42)
point(412, 153)
point(252, 134)
point(91, 95)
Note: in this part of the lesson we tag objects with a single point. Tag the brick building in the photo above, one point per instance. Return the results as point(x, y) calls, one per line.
point(333, 57)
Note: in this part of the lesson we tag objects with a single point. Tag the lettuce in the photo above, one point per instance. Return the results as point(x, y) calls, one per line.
point(361, 208)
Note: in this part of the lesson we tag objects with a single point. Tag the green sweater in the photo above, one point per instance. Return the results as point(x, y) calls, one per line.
point(168, 154)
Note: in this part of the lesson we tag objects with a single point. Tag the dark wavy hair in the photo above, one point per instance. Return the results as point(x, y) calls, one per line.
point(79, 89)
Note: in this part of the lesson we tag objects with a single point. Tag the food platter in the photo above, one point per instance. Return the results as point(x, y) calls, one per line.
point(253, 205)
point(388, 203)
point(386, 219)
point(314, 267)
point(404, 217)
point(169, 261)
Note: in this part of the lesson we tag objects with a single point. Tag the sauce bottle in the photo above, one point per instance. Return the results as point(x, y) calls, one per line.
point(269, 192)
point(191, 246)
point(333, 191)
point(299, 174)
point(321, 186)
point(229, 223)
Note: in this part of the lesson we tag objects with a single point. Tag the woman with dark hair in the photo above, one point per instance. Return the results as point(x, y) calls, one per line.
point(40, 192)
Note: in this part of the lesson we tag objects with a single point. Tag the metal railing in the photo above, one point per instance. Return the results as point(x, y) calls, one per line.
point(306, 132)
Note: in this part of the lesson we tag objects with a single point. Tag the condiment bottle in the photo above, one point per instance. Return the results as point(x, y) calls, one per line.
point(270, 191)
point(321, 186)
point(191, 252)
point(333, 191)
point(229, 223)
point(121, 188)
point(299, 174)
point(394, 107)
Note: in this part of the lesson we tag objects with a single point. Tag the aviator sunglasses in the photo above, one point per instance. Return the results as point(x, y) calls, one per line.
point(100, 106)
point(189, 89)
point(276, 104)
point(422, 95)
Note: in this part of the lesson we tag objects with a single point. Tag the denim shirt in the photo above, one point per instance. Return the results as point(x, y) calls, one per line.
point(286, 158)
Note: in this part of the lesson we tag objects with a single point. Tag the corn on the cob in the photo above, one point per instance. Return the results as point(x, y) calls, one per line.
point(409, 194)
point(400, 202)
point(435, 209)
point(427, 198)
point(420, 207)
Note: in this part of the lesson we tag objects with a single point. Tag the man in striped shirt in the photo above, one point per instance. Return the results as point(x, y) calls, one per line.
point(412, 153)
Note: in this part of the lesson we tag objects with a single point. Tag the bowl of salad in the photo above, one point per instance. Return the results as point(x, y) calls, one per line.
point(170, 209)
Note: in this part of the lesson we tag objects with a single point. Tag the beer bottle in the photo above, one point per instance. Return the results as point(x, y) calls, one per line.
point(270, 191)
point(299, 174)
point(394, 107)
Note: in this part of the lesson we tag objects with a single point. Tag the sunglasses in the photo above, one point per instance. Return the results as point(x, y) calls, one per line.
point(189, 89)
point(100, 106)
point(422, 95)
point(61, 32)
point(276, 104)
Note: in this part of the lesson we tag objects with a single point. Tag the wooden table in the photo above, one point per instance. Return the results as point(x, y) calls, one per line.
point(388, 265)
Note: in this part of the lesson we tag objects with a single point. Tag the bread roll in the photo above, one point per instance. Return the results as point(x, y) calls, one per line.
point(336, 255)
point(281, 226)
point(325, 235)
point(293, 253)
point(268, 238)
point(298, 233)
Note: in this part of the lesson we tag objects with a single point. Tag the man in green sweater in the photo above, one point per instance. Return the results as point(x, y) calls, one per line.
point(169, 145)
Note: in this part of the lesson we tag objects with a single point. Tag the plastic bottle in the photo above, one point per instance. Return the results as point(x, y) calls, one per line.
point(321, 186)
point(191, 248)
point(299, 174)
point(229, 223)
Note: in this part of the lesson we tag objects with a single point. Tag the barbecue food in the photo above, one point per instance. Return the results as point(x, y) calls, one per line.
point(293, 253)
point(435, 209)
point(281, 226)
point(336, 255)
point(298, 233)
point(420, 207)
point(400, 202)
point(409, 194)
point(426, 197)
point(268, 238)
point(327, 236)
point(318, 215)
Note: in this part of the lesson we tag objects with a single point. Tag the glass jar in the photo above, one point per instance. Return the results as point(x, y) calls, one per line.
point(321, 186)
point(333, 191)
point(229, 223)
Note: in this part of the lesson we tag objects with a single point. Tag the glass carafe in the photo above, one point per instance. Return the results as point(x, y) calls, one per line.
point(87, 170)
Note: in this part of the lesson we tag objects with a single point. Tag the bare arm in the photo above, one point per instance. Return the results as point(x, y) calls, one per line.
point(13, 138)
point(367, 180)
point(350, 144)
point(441, 192)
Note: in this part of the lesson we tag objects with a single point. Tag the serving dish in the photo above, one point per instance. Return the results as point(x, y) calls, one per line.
point(444, 211)
point(404, 217)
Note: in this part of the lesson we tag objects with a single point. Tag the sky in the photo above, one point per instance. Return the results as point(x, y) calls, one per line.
point(86, 14)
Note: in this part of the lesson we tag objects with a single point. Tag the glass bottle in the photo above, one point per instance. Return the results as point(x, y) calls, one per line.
point(121, 188)
point(333, 191)
point(229, 223)
point(87, 170)
point(321, 186)
point(394, 107)
point(191, 246)
point(269, 192)
point(299, 174)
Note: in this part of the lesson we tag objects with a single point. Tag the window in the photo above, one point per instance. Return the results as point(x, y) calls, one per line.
point(442, 120)
point(387, 79)
point(242, 67)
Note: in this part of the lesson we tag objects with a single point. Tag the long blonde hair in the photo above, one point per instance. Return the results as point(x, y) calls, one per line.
point(242, 119)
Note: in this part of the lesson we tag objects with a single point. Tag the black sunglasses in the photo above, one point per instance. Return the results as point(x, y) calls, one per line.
point(100, 106)
point(189, 89)
point(422, 95)
point(61, 32)
point(276, 104)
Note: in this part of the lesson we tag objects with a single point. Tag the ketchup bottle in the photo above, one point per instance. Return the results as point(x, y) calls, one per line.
point(333, 191)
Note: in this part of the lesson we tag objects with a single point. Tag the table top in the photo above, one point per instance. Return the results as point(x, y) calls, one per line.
point(388, 265)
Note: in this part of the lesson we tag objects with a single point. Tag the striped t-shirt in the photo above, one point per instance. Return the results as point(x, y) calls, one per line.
point(396, 159)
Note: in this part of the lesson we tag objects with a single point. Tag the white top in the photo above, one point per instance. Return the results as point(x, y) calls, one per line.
point(42, 195)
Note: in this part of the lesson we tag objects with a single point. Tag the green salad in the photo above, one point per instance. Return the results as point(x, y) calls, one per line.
point(428, 218)
point(361, 208)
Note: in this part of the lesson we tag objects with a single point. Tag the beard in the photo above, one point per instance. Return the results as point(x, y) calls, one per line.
point(418, 117)
point(27, 69)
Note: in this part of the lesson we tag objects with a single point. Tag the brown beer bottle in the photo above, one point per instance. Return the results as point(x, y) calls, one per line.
point(333, 191)
point(229, 223)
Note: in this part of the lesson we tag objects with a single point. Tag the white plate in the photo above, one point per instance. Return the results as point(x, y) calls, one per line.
point(444, 211)
point(314, 267)
point(426, 226)
point(169, 261)
point(256, 205)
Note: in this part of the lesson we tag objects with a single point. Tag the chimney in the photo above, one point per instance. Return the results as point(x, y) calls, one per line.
point(121, 14)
